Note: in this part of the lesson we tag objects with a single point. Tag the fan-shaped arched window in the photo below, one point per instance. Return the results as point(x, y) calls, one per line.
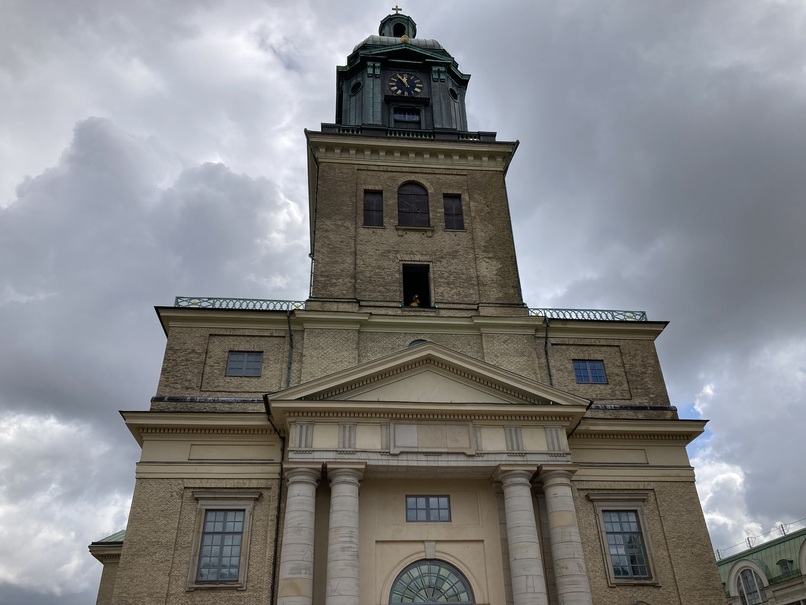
point(431, 581)
point(750, 588)
point(412, 206)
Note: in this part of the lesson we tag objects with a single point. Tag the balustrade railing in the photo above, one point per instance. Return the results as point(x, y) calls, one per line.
point(259, 304)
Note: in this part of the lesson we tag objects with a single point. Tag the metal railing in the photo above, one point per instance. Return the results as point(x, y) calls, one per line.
point(259, 304)
point(246, 304)
point(590, 314)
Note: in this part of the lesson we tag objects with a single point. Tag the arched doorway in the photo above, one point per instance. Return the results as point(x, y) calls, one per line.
point(431, 581)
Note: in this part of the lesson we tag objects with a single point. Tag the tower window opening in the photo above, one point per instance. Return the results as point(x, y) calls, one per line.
point(406, 117)
point(416, 286)
point(412, 206)
point(399, 30)
point(373, 209)
point(454, 220)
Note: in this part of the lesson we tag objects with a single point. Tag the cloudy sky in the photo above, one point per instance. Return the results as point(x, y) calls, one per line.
point(156, 149)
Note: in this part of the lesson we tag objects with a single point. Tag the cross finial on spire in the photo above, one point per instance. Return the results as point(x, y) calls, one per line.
point(397, 9)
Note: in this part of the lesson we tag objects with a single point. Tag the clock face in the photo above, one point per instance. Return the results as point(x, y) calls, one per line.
point(405, 84)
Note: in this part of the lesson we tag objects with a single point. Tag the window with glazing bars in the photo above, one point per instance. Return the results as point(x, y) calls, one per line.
point(625, 544)
point(244, 363)
point(454, 220)
point(428, 508)
point(589, 370)
point(220, 555)
point(412, 206)
point(373, 209)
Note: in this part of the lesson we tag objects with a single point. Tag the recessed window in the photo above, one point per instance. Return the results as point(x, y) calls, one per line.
point(454, 94)
point(373, 209)
point(431, 581)
point(244, 363)
point(406, 117)
point(625, 544)
point(589, 371)
point(416, 286)
point(220, 554)
point(356, 87)
point(453, 212)
point(785, 565)
point(750, 588)
point(428, 508)
point(412, 206)
point(221, 543)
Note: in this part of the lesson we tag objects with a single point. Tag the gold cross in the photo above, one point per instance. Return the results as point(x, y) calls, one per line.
point(397, 9)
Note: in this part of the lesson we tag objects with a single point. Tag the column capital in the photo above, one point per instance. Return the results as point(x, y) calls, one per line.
point(553, 474)
point(298, 473)
point(345, 473)
point(514, 473)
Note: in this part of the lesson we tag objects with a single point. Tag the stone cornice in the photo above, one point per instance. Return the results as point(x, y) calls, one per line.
point(142, 424)
point(597, 429)
point(409, 153)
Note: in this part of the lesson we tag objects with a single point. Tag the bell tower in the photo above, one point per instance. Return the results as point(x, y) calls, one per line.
point(408, 208)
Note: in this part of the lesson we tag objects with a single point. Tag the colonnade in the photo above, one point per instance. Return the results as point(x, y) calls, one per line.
point(343, 566)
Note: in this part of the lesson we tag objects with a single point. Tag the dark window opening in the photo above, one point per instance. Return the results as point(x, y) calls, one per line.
point(589, 370)
point(373, 209)
point(399, 30)
point(356, 87)
point(454, 94)
point(453, 212)
point(412, 206)
point(406, 117)
point(416, 286)
point(244, 363)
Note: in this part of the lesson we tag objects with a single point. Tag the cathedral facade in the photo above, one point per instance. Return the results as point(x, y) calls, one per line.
point(413, 432)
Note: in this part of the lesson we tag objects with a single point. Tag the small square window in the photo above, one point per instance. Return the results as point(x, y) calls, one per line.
point(428, 508)
point(589, 371)
point(244, 363)
point(454, 220)
point(373, 208)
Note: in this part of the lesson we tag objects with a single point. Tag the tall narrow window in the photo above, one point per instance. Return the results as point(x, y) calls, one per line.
point(751, 588)
point(412, 206)
point(625, 544)
point(416, 286)
point(220, 555)
point(453, 212)
point(373, 209)
point(244, 363)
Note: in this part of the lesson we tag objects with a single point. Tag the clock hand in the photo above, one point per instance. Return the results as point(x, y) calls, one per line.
point(405, 80)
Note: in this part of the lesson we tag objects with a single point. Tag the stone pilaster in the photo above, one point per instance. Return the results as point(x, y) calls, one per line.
point(570, 573)
point(296, 556)
point(343, 573)
point(525, 561)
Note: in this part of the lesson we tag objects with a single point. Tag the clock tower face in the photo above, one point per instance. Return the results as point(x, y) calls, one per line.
point(405, 84)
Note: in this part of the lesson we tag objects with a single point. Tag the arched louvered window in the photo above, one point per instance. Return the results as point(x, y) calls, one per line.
point(751, 588)
point(431, 581)
point(412, 206)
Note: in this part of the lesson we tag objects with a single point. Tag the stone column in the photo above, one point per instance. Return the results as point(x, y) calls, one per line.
point(343, 573)
point(570, 572)
point(296, 556)
point(525, 561)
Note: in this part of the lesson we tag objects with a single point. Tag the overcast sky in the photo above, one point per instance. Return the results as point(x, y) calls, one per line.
point(156, 149)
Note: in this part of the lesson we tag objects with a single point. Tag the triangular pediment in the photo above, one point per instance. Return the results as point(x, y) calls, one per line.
point(429, 373)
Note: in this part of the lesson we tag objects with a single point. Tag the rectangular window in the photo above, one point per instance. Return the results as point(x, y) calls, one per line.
point(220, 554)
point(244, 363)
point(625, 544)
point(373, 209)
point(589, 370)
point(416, 286)
point(428, 508)
point(406, 117)
point(626, 547)
point(220, 551)
point(453, 212)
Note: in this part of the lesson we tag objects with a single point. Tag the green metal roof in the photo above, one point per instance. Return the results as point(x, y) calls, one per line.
point(116, 537)
point(768, 555)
